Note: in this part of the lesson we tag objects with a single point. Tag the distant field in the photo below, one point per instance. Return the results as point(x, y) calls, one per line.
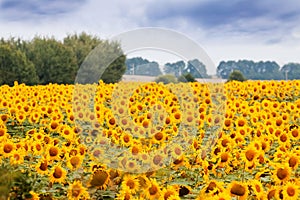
point(128, 78)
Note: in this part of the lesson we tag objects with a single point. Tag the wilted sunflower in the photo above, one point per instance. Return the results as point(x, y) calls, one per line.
point(99, 179)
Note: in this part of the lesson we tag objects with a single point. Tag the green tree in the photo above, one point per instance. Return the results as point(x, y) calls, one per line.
point(81, 44)
point(174, 68)
point(14, 66)
point(105, 62)
point(236, 75)
point(54, 62)
point(165, 79)
point(196, 68)
point(186, 78)
point(140, 66)
point(267, 70)
point(291, 71)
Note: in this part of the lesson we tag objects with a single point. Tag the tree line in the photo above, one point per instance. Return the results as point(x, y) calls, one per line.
point(141, 66)
point(44, 60)
point(268, 70)
point(263, 70)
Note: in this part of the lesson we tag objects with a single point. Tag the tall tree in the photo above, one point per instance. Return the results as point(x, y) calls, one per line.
point(196, 68)
point(177, 68)
point(82, 44)
point(291, 71)
point(105, 62)
point(141, 66)
point(54, 62)
point(14, 66)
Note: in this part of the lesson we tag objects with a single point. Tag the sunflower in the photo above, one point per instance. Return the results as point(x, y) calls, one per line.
point(126, 139)
point(34, 196)
point(130, 183)
point(249, 155)
point(238, 189)
point(67, 132)
point(281, 173)
point(76, 191)
point(124, 195)
point(99, 179)
point(74, 162)
point(17, 158)
point(213, 187)
point(224, 159)
point(7, 148)
point(290, 191)
point(170, 192)
point(42, 167)
point(20, 117)
point(53, 152)
point(257, 188)
point(292, 159)
point(159, 137)
point(240, 122)
point(58, 174)
point(176, 151)
point(3, 133)
point(153, 190)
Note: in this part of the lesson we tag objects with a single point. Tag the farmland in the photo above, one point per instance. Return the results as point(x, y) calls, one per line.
point(131, 140)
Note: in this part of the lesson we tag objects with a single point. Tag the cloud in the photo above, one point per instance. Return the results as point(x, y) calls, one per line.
point(19, 10)
point(229, 17)
point(227, 29)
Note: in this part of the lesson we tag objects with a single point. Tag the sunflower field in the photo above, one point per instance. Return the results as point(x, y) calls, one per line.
point(237, 140)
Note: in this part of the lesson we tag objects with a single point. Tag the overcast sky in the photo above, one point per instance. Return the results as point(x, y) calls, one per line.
point(226, 30)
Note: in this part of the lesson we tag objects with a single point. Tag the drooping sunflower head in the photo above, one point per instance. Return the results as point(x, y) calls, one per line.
point(99, 179)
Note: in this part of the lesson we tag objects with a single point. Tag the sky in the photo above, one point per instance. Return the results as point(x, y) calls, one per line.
point(258, 30)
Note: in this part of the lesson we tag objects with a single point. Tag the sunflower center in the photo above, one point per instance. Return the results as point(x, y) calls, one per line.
point(291, 191)
point(54, 125)
point(238, 190)
point(57, 173)
point(43, 166)
point(75, 161)
point(224, 157)
point(157, 159)
point(7, 148)
point(153, 190)
point(2, 132)
point(292, 162)
point(211, 187)
point(282, 173)
point(177, 151)
point(53, 151)
point(130, 184)
point(158, 136)
point(250, 155)
point(75, 191)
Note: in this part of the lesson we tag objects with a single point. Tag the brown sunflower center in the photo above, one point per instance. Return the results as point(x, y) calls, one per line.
point(7, 148)
point(57, 173)
point(238, 190)
point(282, 173)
